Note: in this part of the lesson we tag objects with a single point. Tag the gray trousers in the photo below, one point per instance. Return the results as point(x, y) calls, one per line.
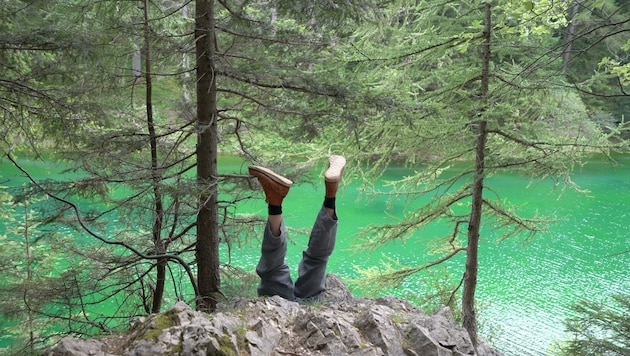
point(275, 278)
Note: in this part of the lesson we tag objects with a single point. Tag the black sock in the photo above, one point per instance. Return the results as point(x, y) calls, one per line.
point(274, 209)
point(329, 203)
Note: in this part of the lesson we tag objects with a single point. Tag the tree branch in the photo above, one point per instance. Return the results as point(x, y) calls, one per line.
point(87, 229)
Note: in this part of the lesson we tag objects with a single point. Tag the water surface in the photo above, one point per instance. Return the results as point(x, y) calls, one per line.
point(524, 288)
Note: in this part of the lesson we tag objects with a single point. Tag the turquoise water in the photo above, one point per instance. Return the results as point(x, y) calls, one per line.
point(529, 286)
point(524, 288)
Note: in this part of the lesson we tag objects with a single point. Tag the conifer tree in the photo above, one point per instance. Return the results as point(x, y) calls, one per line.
point(468, 95)
point(207, 245)
point(134, 142)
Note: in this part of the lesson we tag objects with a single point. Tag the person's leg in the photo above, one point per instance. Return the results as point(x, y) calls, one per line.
point(275, 278)
point(274, 273)
point(312, 270)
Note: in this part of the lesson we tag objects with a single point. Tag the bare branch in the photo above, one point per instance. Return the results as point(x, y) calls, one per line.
point(87, 229)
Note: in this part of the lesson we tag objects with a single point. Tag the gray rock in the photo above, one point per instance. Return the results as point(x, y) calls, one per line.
point(69, 346)
point(377, 326)
point(344, 325)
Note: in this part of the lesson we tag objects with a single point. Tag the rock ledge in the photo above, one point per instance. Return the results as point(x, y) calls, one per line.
point(274, 326)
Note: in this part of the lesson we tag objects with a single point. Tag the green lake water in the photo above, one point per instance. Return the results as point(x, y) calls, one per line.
point(524, 288)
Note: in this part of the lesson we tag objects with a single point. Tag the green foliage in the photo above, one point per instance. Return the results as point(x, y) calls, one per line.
point(598, 57)
point(438, 96)
point(45, 54)
point(33, 265)
point(277, 74)
point(541, 131)
point(530, 18)
point(598, 328)
point(618, 69)
point(390, 274)
point(439, 288)
point(238, 283)
point(380, 82)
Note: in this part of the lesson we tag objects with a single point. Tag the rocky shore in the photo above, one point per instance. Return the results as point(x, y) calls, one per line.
point(343, 325)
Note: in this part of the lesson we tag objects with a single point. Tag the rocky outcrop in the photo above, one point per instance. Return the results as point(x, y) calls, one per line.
point(344, 325)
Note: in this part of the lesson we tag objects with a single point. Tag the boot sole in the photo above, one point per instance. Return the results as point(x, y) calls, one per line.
point(283, 181)
point(336, 165)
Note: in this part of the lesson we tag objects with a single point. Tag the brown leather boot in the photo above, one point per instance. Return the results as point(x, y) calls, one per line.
point(276, 187)
point(332, 177)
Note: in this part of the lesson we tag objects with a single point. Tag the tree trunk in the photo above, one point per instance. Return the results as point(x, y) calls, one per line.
point(136, 59)
point(207, 249)
point(469, 318)
point(30, 322)
point(570, 34)
point(156, 178)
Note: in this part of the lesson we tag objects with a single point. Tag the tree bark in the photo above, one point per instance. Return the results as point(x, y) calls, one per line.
point(469, 318)
point(207, 248)
point(158, 206)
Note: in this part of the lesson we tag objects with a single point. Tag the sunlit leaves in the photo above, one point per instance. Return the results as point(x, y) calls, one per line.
point(617, 68)
point(525, 18)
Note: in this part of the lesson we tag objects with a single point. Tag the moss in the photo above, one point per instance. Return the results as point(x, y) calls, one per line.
point(398, 319)
point(178, 348)
point(226, 346)
point(158, 324)
point(241, 336)
point(316, 304)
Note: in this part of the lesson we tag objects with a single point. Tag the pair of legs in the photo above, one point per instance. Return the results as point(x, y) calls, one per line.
point(274, 273)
